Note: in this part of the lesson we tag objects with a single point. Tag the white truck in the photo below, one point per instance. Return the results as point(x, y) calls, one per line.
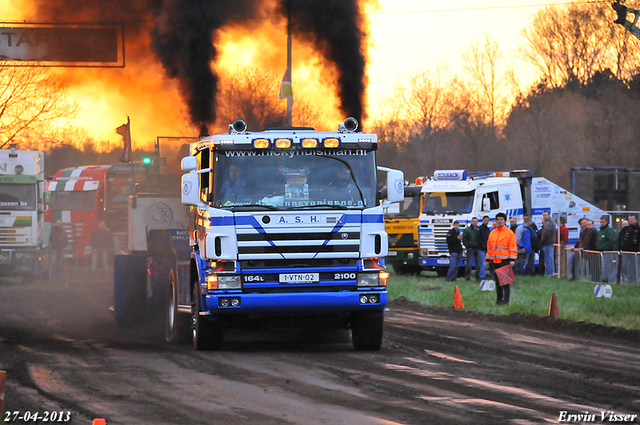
point(451, 195)
point(287, 231)
point(22, 213)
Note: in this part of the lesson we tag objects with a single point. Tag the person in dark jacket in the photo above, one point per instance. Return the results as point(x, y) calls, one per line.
point(454, 243)
point(547, 239)
point(58, 240)
point(629, 241)
point(482, 236)
point(101, 244)
point(470, 241)
point(629, 238)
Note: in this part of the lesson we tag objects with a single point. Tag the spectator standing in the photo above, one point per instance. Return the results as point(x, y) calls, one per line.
point(513, 224)
point(101, 245)
point(482, 236)
point(470, 241)
point(501, 251)
point(629, 238)
point(527, 242)
point(58, 241)
point(454, 243)
point(564, 232)
point(628, 241)
point(579, 246)
point(547, 239)
point(607, 240)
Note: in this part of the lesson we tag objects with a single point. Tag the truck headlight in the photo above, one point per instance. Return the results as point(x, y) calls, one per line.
point(4, 257)
point(373, 279)
point(229, 282)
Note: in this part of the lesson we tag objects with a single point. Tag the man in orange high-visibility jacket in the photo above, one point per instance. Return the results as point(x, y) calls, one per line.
point(501, 251)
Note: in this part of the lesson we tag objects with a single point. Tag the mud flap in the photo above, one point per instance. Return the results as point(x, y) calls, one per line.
point(129, 289)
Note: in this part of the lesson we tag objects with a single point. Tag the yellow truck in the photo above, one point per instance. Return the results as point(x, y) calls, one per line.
point(401, 224)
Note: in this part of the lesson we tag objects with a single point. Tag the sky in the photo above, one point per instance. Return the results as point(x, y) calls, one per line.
point(411, 35)
point(406, 36)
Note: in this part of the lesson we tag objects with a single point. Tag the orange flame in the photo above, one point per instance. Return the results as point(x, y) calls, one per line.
point(142, 91)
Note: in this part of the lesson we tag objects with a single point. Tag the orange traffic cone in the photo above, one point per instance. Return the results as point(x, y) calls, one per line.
point(99, 421)
point(457, 299)
point(553, 306)
point(3, 379)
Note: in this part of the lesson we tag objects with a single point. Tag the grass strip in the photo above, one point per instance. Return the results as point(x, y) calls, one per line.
point(529, 295)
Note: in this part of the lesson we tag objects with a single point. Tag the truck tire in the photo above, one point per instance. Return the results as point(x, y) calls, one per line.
point(177, 324)
point(399, 269)
point(366, 331)
point(206, 334)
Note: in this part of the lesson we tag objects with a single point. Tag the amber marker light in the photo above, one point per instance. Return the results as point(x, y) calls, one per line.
point(212, 282)
point(261, 143)
point(284, 143)
point(331, 142)
point(310, 143)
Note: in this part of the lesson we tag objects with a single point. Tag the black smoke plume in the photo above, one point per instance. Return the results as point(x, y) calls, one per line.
point(334, 27)
point(183, 37)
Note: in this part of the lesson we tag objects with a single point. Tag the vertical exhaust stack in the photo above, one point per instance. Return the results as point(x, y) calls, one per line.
point(204, 131)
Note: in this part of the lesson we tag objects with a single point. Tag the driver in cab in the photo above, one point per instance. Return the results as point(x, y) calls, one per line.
point(234, 188)
point(342, 188)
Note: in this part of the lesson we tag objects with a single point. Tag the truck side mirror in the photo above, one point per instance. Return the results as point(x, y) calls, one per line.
point(188, 164)
point(395, 186)
point(190, 193)
point(46, 198)
point(486, 203)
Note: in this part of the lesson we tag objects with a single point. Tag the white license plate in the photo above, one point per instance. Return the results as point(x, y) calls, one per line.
point(299, 277)
point(393, 253)
point(443, 261)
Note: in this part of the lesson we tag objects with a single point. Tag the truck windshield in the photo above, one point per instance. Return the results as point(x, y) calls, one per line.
point(409, 208)
point(73, 201)
point(294, 179)
point(448, 202)
point(17, 197)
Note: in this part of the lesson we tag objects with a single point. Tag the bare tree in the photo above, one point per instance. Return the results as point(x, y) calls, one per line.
point(422, 105)
point(254, 95)
point(30, 98)
point(486, 84)
point(575, 41)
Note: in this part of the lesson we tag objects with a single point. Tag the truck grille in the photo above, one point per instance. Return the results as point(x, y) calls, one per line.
point(14, 236)
point(298, 244)
point(433, 238)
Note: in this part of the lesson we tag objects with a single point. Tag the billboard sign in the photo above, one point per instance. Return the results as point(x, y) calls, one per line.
point(82, 45)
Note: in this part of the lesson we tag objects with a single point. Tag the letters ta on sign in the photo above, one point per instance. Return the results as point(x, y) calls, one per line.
point(68, 45)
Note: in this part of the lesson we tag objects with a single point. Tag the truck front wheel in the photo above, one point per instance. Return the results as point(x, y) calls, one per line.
point(206, 334)
point(366, 331)
point(177, 324)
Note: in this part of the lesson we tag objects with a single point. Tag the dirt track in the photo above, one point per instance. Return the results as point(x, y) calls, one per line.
point(62, 352)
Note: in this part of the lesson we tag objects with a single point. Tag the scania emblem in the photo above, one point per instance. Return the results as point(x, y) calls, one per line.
point(345, 235)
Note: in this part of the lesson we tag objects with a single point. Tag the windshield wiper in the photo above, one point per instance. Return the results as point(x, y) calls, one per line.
point(353, 175)
point(252, 207)
point(329, 207)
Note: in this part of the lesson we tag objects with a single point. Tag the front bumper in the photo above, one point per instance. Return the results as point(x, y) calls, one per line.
point(296, 303)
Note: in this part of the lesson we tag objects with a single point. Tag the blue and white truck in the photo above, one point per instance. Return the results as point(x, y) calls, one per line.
point(287, 230)
point(451, 195)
